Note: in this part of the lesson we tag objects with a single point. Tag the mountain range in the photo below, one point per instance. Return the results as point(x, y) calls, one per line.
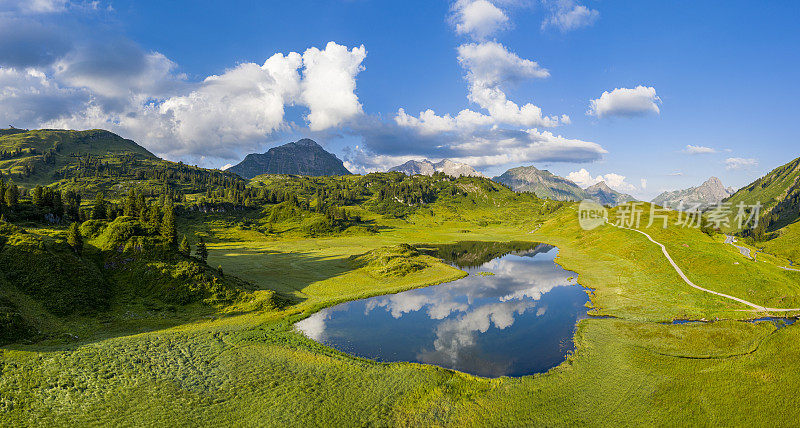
point(426, 167)
point(545, 184)
point(711, 192)
point(303, 157)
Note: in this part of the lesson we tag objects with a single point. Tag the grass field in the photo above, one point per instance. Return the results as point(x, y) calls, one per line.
point(248, 367)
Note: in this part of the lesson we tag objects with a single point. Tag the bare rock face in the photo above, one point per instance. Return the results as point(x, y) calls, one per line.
point(709, 193)
point(303, 157)
point(426, 167)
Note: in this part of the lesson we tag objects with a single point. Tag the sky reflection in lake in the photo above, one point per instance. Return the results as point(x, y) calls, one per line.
point(519, 321)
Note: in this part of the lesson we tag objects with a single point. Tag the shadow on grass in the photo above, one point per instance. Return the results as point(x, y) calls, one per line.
point(283, 272)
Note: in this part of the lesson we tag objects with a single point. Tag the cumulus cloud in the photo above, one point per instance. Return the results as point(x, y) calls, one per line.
point(114, 84)
point(329, 84)
point(116, 70)
point(478, 18)
point(568, 15)
point(241, 105)
point(740, 163)
point(492, 64)
point(29, 97)
point(489, 66)
point(638, 101)
point(615, 181)
point(698, 150)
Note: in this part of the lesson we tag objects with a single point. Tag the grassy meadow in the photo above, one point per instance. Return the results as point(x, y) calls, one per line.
point(135, 330)
point(244, 364)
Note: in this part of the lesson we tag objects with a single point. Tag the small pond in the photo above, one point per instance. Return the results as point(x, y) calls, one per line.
point(514, 315)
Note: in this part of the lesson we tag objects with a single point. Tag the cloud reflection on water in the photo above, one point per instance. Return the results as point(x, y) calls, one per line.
point(461, 311)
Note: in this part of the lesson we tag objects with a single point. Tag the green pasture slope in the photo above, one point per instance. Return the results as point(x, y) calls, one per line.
point(237, 361)
point(779, 226)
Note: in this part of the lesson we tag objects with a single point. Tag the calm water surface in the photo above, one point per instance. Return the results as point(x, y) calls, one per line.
point(519, 321)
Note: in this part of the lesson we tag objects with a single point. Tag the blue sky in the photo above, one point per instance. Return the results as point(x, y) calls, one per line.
point(717, 76)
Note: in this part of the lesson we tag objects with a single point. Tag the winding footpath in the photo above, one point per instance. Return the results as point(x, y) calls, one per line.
point(691, 284)
point(746, 252)
point(731, 240)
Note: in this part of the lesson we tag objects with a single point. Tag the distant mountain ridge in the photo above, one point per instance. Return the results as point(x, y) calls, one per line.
point(545, 184)
point(605, 195)
point(541, 182)
point(302, 157)
point(711, 192)
point(426, 167)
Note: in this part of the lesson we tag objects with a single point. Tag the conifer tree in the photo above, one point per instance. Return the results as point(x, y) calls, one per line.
point(36, 197)
point(202, 251)
point(99, 208)
point(12, 195)
point(183, 248)
point(130, 204)
point(169, 231)
point(74, 238)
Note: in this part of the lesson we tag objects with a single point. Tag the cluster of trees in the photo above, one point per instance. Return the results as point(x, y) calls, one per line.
point(174, 175)
point(9, 196)
point(10, 154)
point(46, 200)
point(159, 217)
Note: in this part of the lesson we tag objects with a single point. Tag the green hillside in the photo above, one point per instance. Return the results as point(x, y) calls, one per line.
point(778, 230)
point(778, 192)
point(98, 161)
point(40, 156)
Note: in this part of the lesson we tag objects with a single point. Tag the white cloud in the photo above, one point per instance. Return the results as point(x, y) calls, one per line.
point(531, 145)
point(583, 178)
point(698, 150)
point(478, 18)
point(489, 66)
point(740, 163)
point(28, 96)
point(615, 181)
point(480, 148)
point(137, 94)
point(618, 183)
point(242, 104)
point(626, 102)
point(34, 6)
point(643, 181)
point(117, 71)
point(567, 15)
point(329, 84)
